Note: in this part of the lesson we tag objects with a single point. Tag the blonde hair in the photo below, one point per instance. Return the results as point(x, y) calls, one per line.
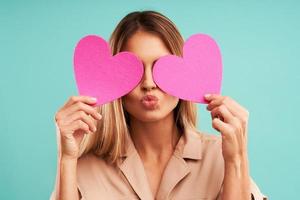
point(112, 130)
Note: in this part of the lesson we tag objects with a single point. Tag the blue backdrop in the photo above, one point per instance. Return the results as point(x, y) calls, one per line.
point(260, 44)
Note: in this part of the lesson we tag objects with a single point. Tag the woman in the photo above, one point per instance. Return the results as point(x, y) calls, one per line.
point(145, 145)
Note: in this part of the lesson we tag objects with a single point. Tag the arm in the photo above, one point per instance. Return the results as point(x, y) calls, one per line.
point(68, 182)
point(236, 183)
point(231, 120)
point(76, 118)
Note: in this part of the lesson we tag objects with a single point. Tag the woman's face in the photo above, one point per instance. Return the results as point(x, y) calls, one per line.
point(148, 47)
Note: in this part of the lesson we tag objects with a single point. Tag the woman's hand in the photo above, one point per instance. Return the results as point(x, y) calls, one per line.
point(231, 120)
point(76, 118)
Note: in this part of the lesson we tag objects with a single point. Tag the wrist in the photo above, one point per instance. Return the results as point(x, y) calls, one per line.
point(237, 159)
point(69, 159)
point(237, 167)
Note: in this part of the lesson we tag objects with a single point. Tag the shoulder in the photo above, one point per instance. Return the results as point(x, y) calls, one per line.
point(88, 157)
point(209, 143)
point(90, 162)
point(92, 171)
point(93, 163)
point(91, 167)
point(209, 165)
point(206, 139)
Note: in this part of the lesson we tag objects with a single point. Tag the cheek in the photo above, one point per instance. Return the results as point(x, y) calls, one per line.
point(169, 103)
point(130, 100)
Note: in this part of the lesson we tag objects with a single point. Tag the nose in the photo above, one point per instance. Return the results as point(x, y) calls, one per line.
point(148, 83)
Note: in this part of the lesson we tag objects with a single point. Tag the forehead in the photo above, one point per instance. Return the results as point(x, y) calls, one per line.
point(147, 46)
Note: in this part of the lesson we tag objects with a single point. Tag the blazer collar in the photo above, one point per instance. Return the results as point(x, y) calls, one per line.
point(188, 147)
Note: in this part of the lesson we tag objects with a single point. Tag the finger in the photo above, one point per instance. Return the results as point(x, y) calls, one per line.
point(78, 125)
point(223, 112)
point(236, 109)
point(210, 97)
point(84, 99)
point(84, 107)
point(214, 103)
point(84, 117)
point(236, 123)
point(222, 127)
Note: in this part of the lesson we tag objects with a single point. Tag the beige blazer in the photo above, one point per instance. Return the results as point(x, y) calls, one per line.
point(194, 172)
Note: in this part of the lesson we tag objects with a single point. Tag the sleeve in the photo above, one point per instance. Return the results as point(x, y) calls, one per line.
point(255, 192)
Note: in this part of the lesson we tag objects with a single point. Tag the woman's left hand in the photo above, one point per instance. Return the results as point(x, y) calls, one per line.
point(231, 120)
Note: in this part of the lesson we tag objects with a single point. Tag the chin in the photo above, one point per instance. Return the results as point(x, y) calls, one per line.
point(152, 119)
point(150, 116)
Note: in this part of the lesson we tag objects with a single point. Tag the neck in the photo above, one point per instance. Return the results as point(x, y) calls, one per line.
point(154, 140)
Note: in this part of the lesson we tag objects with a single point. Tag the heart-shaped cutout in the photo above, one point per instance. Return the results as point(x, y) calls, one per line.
point(101, 75)
point(199, 72)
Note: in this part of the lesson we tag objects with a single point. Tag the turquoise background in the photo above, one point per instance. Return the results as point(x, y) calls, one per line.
point(260, 45)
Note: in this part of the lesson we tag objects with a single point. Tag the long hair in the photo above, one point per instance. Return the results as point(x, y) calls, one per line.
point(109, 140)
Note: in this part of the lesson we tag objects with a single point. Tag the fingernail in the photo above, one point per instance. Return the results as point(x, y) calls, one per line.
point(93, 99)
point(207, 95)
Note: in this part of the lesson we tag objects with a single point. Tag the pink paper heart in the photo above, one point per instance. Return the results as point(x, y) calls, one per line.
point(199, 72)
point(101, 75)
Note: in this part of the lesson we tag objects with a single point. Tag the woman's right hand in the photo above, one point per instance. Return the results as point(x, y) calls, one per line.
point(76, 118)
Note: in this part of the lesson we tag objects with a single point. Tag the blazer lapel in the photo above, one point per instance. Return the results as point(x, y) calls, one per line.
point(188, 147)
point(134, 171)
point(175, 171)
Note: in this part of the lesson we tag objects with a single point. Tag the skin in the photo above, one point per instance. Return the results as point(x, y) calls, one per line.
point(74, 119)
point(231, 120)
point(154, 132)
